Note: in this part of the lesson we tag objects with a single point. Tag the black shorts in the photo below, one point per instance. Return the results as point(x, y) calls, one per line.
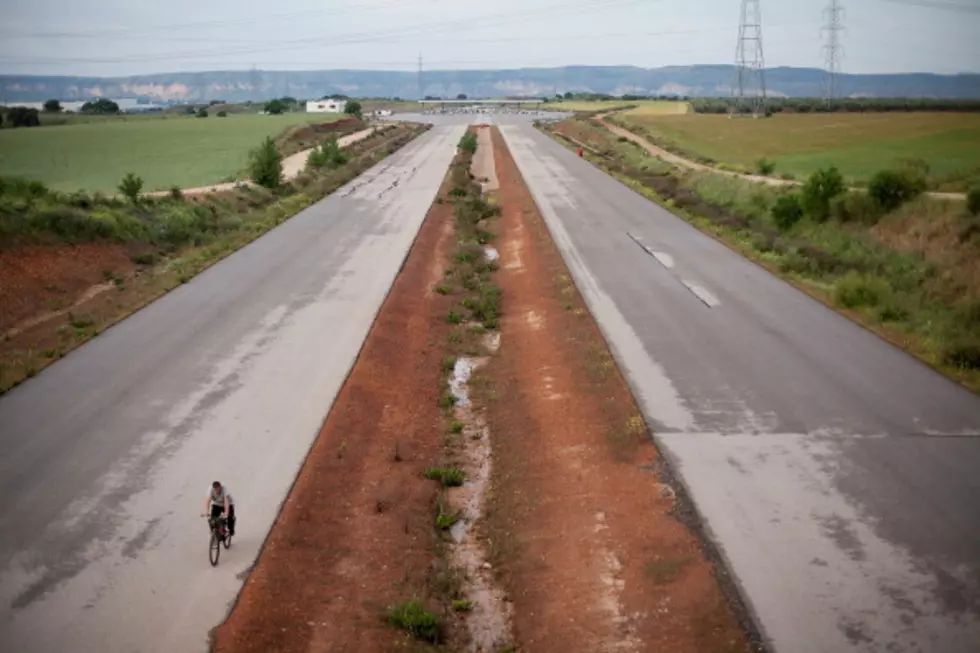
point(217, 510)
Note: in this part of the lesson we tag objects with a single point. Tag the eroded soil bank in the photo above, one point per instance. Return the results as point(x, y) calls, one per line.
point(581, 526)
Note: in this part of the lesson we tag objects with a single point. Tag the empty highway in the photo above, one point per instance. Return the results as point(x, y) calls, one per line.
point(836, 474)
point(108, 454)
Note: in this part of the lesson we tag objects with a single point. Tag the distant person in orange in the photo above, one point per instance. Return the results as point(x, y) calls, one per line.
point(581, 152)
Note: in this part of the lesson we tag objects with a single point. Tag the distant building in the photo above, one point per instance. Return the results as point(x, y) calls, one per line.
point(326, 106)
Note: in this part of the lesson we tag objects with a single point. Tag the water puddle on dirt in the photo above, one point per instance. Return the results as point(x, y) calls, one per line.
point(489, 621)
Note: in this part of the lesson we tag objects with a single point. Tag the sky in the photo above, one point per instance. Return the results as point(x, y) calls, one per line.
point(123, 37)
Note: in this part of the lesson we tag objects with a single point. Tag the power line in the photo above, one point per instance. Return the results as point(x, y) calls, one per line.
point(937, 4)
point(834, 15)
point(749, 87)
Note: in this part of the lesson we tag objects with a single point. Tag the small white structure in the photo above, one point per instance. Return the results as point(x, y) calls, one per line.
point(326, 106)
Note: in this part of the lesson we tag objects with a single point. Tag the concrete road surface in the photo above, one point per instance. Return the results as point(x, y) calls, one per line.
point(839, 477)
point(109, 453)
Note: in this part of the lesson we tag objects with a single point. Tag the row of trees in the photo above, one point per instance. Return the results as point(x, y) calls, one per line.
point(850, 105)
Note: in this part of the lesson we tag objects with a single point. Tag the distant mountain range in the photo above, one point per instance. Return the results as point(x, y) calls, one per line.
point(701, 81)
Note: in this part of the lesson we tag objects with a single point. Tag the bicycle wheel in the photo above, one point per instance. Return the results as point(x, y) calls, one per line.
point(214, 550)
point(227, 540)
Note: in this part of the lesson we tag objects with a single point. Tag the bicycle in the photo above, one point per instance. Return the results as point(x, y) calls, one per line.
point(219, 536)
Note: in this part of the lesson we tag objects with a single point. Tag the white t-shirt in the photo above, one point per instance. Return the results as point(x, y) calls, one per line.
point(218, 499)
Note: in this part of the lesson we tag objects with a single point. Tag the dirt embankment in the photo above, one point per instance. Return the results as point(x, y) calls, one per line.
point(356, 532)
point(581, 523)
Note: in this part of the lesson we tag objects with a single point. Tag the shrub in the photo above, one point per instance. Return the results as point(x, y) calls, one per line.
point(222, 114)
point(52, 106)
point(855, 291)
point(130, 187)
point(855, 207)
point(765, 166)
point(23, 117)
point(176, 193)
point(821, 187)
point(353, 108)
point(973, 201)
point(468, 142)
point(891, 188)
point(327, 154)
point(413, 617)
point(265, 164)
point(102, 106)
point(202, 113)
point(448, 476)
point(787, 211)
point(964, 354)
point(275, 107)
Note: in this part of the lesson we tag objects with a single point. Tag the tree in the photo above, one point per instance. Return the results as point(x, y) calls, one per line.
point(265, 164)
point(461, 96)
point(52, 106)
point(222, 114)
point(568, 95)
point(102, 106)
point(202, 113)
point(890, 189)
point(275, 107)
point(353, 107)
point(131, 186)
point(23, 117)
point(821, 187)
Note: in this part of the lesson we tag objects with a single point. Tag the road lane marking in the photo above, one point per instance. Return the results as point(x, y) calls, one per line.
point(701, 293)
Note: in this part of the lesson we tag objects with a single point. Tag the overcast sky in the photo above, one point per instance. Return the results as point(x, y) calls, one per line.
point(124, 37)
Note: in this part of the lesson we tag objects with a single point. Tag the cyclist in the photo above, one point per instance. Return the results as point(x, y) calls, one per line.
point(219, 502)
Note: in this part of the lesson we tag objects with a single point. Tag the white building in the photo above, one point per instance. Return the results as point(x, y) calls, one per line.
point(326, 106)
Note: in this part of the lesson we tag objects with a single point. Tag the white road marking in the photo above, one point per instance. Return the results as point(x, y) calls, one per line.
point(665, 260)
point(701, 293)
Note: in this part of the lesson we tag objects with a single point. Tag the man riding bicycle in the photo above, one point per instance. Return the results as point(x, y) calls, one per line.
point(219, 502)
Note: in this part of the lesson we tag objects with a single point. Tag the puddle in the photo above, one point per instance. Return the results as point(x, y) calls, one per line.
point(489, 622)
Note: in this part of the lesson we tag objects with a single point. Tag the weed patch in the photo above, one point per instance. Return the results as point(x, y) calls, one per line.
point(412, 617)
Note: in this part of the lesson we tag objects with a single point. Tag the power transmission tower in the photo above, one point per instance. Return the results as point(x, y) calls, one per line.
point(834, 25)
point(421, 97)
point(749, 85)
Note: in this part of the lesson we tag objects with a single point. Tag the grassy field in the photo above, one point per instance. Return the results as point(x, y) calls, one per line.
point(858, 144)
point(164, 150)
point(646, 107)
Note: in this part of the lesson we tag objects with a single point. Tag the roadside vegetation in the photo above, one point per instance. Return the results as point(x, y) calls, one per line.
point(166, 151)
point(902, 263)
point(945, 146)
point(167, 240)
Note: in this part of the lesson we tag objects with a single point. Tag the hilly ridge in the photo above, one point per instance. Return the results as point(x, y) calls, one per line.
point(701, 80)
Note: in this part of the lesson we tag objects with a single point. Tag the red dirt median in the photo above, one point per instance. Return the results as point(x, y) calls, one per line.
point(581, 528)
point(355, 533)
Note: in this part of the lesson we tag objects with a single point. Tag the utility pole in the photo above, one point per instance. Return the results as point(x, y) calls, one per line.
point(421, 97)
point(749, 84)
point(834, 16)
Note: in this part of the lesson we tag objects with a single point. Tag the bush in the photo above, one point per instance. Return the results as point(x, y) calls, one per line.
point(973, 201)
point(327, 154)
point(353, 108)
point(202, 113)
point(468, 142)
point(176, 194)
point(23, 117)
point(130, 187)
point(52, 106)
point(821, 187)
point(101, 106)
point(265, 164)
point(855, 291)
point(765, 166)
point(448, 476)
point(964, 354)
point(891, 188)
point(855, 207)
point(275, 107)
point(787, 211)
point(222, 114)
point(413, 617)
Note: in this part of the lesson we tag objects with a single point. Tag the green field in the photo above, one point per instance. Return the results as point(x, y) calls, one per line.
point(165, 151)
point(644, 108)
point(858, 144)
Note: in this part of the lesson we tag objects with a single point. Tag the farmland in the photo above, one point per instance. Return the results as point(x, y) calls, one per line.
point(858, 144)
point(164, 150)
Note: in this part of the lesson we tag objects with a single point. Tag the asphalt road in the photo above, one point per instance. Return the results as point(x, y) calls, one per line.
point(837, 475)
point(108, 454)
